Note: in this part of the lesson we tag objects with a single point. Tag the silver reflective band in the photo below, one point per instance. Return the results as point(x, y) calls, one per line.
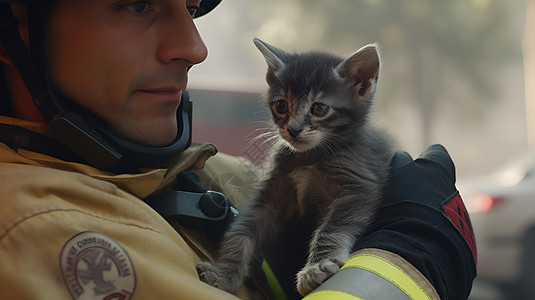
point(362, 283)
point(368, 276)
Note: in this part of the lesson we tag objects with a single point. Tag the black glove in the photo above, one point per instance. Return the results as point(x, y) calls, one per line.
point(423, 219)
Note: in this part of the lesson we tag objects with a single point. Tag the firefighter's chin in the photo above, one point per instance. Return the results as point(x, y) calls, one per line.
point(156, 133)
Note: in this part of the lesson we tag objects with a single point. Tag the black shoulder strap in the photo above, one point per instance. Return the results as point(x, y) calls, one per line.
point(16, 137)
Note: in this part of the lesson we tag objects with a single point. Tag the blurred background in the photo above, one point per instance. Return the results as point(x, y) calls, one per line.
point(453, 72)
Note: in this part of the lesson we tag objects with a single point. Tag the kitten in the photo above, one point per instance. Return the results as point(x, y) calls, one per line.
point(331, 164)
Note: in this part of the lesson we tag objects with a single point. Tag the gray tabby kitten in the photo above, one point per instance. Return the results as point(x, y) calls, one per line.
point(331, 164)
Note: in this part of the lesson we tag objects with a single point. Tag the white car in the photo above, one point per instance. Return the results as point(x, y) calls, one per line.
point(502, 210)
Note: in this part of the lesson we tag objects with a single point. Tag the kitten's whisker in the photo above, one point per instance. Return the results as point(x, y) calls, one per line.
point(327, 150)
point(261, 136)
point(265, 123)
point(329, 146)
point(261, 129)
point(280, 142)
point(256, 145)
point(268, 140)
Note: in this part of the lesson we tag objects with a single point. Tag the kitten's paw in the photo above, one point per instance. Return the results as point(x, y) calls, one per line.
point(311, 276)
point(216, 277)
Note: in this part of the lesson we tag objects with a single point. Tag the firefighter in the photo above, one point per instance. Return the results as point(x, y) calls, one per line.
point(100, 199)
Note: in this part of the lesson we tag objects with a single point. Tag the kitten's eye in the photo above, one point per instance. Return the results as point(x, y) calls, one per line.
point(281, 106)
point(319, 109)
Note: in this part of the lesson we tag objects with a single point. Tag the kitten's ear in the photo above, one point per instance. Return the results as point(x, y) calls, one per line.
point(361, 70)
point(275, 57)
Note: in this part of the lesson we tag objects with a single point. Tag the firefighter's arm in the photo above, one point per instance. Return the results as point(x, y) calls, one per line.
point(420, 247)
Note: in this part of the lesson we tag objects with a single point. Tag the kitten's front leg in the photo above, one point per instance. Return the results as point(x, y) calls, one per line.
point(240, 244)
point(312, 275)
point(320, 268)
point(231, 266)
point(333, 240)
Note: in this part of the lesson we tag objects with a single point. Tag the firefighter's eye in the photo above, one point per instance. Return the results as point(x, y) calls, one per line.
point(138, 8)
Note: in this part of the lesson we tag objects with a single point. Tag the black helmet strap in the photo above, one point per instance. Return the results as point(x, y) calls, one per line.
point(18, 53)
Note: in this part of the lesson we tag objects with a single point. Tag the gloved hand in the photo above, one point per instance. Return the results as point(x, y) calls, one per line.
point(423, 219)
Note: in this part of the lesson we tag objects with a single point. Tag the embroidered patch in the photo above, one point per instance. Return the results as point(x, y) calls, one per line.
point(95, 266)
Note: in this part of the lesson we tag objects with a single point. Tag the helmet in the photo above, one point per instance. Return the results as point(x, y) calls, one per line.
point(83, 132)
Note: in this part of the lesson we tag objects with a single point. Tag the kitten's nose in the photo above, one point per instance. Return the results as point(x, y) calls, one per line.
point(294, 132)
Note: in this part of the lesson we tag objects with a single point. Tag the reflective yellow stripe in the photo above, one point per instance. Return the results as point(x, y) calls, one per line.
point(331, 294)
point(273, 283)
point(388, 271)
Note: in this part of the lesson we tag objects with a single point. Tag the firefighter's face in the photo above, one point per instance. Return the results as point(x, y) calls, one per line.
point(126, 60)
